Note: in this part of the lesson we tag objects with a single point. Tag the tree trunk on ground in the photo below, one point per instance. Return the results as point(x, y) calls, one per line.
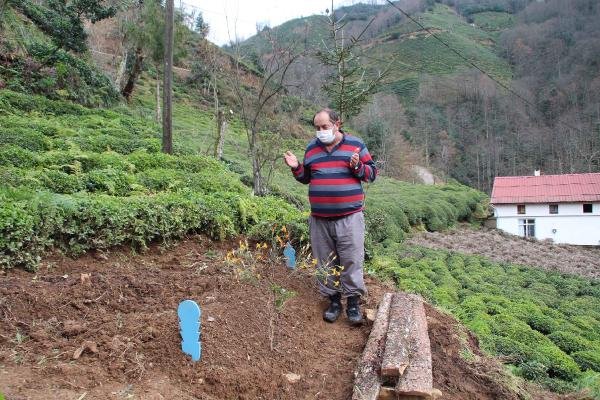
point(417, 379)
point(136, 70)
point(395, 356)
point(367, 384)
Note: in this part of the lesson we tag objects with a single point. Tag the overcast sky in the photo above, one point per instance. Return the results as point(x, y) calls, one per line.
point(243, 15)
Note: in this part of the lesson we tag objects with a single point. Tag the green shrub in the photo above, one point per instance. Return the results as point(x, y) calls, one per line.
point(161, 179)
point(569, 342)
point(516, 351)
point(110, 181)
point(31, 222)
point(590, 383)
point(559, 385)
point(17, 157)
point(25, 225)
point(26, 103)
point(123, 145)
point(533, 370)
point(588, 359)
point(24, 138)
point(559, 364)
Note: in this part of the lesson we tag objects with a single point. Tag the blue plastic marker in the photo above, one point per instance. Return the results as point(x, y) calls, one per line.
point(290, 256)
point(189, 324)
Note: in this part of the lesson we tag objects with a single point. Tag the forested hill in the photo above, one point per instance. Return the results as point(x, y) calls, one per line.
point(436, 109)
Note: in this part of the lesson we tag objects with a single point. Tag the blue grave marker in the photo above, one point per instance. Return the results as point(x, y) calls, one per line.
point(189, 324)
point(290, 256)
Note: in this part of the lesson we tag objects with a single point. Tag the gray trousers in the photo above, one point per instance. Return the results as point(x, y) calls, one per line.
point(338, 247)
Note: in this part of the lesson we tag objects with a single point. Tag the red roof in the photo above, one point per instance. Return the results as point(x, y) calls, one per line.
point(546, 189)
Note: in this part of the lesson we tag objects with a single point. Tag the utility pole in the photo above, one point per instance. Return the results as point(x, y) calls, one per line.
point(167, 140)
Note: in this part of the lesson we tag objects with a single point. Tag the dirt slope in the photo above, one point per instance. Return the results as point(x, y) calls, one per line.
point(125, 318)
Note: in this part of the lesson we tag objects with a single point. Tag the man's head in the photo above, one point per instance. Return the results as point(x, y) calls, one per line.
point(327, 124)
point(327, 119)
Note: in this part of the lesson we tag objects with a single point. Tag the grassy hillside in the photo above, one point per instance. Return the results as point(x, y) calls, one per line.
point(417, 52)
point(416, 47)
point(29, 63)
point(79, 179)
point(309, 32)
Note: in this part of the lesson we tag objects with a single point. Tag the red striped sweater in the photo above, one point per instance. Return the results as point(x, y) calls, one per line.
point(335, 188)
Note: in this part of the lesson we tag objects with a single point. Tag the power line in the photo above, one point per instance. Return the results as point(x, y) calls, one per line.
point(459, 54)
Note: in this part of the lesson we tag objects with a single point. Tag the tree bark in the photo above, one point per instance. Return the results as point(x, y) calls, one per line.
point(367, 383)
point(417, 379)
point(221, 129)
point(158, 110)
point(136, 69)
point(167, 142)
point(401, 325)
point(257, 186)
point(121, 71)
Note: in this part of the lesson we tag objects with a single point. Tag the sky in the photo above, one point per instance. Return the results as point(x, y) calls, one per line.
point(242, 16)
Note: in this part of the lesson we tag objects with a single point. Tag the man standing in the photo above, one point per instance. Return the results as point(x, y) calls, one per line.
point(334, 165)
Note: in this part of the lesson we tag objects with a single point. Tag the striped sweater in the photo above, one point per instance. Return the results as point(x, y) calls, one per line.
point(335, 188)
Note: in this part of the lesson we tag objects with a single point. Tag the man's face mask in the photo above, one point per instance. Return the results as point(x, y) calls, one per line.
point(326, 136)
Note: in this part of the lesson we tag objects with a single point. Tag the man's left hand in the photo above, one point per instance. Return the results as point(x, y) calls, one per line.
point(355, 159)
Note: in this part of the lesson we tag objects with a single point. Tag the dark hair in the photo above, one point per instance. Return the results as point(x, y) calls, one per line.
point(333, 116)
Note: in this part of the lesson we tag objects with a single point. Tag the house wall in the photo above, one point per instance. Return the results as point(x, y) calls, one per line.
point(571, 224)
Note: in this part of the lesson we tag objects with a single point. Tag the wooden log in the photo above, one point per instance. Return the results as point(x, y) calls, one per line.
point(366, 381)
point(417, 379)
point(397, 344)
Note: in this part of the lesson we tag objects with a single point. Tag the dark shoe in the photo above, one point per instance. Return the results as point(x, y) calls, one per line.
point(335, 308)
point(353, 311)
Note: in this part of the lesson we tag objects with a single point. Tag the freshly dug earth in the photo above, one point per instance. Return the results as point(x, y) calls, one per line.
point(502, 247)
point(113, 334)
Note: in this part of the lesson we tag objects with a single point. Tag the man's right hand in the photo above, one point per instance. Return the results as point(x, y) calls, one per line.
point(290, 159)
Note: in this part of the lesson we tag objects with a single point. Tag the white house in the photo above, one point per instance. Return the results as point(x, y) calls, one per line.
point(564, 208)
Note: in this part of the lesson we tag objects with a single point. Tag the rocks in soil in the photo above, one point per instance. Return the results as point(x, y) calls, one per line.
point(292, 378)
point(72, 328)
point(88, 346)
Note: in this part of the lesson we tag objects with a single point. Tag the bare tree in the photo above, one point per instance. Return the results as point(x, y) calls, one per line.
point(253, 106)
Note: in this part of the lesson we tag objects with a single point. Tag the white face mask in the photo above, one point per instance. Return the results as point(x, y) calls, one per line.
point(326, 137)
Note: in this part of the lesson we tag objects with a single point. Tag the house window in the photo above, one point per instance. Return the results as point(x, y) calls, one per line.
point(553, 208)
point(587, 208)
point(520, 208)
point(527, 227)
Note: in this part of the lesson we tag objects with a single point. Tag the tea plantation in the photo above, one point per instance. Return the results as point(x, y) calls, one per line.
point(77, 179)
point(545, 324)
